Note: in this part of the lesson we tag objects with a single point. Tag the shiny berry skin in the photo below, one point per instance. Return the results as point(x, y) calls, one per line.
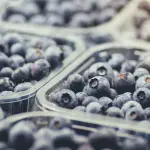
point(66, 98)
point(88, 99)
point(23, 87)
point(80, 96)
point(124, 83)
point(140, 72)
point(16, 61)
point(135, 113)
point(12, 38)
point(120, 100)
point(101, 69)
point(21, 131)
point(75, 82)
point(4, 60)
point(142, 96)
point(6, 72)
point(18, 49)
point(40, 69)
point(130, 104)
point(143, 82)
point(54, 55)
point(116, 61)
point(98, 86)
point(94, 107)
point(114, 112)
point(105, 102)
point(104, 138)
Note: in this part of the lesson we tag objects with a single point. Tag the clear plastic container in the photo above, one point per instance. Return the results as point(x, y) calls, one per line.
point(22, 101)
point(83, 124)
point(131, 50)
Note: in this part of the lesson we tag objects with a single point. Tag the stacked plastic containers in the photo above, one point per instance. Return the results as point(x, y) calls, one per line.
point(77, 61)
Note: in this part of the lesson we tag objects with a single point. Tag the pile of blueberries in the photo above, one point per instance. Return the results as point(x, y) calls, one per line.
point(142, 21)
point(114, 86)
point(60, 135)
point(75, 13)
point(24, 61)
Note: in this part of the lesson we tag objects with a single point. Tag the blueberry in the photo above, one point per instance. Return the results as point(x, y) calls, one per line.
point(66, 98)
point(114, 112)
point(88, 99)
point(139, 72)
point(4, 48)
point(147, 113)
point(137, 143)
point(44, 133)
point(18, 49)
point(101, 69)
point(105, 102)
point(65, 138)
point(17, 18)
point(21, 137)
point(76, 82)
point(113, 93)
point(80, 108)
point(54, 56)
point(6, 84)
point(12, 38)
point(143, 81)
point(98, 86)
point(124, 83)
point(6, 72)
point(42, 144)
point(38, 20)
point(120, 100)
point(142, 96)
point(130, 104)
point(40, 69)
point(58, 123)
point(94, 107)
point(34, 54)
point(20, 75)
point(135, 113)
point(80, 97)
point(16, 61)
point(116, 61)
point(23, 87)
point(4, 60)
point(81, 20)
point(128, 66)
point(103, 138)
